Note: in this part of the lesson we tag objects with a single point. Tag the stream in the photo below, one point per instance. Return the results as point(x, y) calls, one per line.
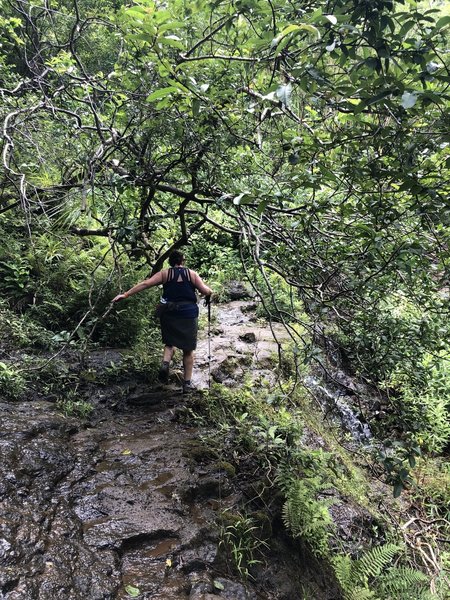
point(122, 506)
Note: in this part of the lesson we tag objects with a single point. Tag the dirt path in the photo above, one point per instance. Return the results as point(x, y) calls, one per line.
point(88, 512)
point(241, 346)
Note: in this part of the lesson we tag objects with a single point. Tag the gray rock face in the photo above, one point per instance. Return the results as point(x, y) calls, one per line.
point(85, 513)
point(236, 290)
point(248, 337)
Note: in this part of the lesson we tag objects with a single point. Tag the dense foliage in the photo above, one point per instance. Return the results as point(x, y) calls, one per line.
point(305, 145)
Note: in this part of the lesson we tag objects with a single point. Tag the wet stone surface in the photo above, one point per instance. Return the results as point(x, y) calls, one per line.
point(87, 512)
point(90, 511)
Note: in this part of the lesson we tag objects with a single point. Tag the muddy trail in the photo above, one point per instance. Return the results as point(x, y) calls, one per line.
point(125, 505)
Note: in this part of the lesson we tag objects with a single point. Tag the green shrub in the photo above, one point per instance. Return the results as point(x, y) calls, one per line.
point(12, 383)
point(71, 406)
point(392, 336)
point(20, 331)
point(425, 405)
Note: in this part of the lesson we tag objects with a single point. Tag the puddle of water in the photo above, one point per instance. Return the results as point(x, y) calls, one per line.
point(163, 547)
point(107, 465)
point(90, 524)
point(161, 479)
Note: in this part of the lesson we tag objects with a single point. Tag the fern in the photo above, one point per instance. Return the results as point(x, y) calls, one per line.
point(361, 594)
point(404, 583)
point(398, 583)
point(343, 570)
point(306, 517)
point(374, 560)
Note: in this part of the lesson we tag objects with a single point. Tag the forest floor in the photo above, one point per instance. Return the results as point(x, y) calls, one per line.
point(127, 503)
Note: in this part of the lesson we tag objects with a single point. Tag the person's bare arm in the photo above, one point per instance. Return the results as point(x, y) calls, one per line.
point(199, 284)
point(156, 279)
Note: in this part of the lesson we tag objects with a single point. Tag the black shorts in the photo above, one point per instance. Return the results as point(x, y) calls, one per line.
point(181, 333)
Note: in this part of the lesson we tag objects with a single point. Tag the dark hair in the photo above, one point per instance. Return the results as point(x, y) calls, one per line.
point(176, 258)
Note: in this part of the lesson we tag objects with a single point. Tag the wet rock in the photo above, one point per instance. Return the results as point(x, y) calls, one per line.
point(5, 549)
point(236, 290)
point(201, 584)
point(248, 337)
point(209, 487)
point(200, 557)
point(217, 330)
point(233, 591)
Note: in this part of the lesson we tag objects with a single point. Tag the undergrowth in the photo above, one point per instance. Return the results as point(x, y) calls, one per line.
point(266, 435)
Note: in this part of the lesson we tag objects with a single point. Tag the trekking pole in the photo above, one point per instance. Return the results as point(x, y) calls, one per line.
point(208, 304)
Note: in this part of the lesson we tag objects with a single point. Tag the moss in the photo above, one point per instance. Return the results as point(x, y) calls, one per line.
point(263, 522)
point(245, 359)
point(229, 365)
point(200, 452)
point(229, 469)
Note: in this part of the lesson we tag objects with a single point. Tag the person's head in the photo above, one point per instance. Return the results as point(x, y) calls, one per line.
point(176, 258)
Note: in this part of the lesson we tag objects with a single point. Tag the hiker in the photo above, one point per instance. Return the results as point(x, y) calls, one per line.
point(178, 313)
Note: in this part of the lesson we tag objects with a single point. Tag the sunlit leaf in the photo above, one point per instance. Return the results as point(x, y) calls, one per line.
point(331, 18)
point(408, 99)
point(132, 591)
point(162, 93)
point(284, 94)
point(442, 22)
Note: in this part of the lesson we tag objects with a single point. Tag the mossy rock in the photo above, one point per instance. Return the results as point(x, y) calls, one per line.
point(200, 452)
point(223, 465)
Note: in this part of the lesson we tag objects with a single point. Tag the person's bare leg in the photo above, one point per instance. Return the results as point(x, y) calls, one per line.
point(188, 364)
point(163, 373)
point(168, 353)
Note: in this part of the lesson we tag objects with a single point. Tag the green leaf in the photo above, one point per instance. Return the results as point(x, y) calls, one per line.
point(398, 489)
point(442, 22)
point(195, 107)
point(132, 591)
point(331, 18)
point(171, 26)
point(262, 206)
point(408, 99)
point(218, 585)
point(171, 40)
point(289, 29)
point(282, 40)
point(161, 93)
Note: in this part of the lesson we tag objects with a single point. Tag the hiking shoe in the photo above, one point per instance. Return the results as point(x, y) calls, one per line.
point(163, 373)
point(188, 387)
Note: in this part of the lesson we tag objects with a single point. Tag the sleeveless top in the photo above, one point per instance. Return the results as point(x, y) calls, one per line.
point(182, 293)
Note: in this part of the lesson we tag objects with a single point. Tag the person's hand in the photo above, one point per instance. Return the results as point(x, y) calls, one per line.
point(120, 297)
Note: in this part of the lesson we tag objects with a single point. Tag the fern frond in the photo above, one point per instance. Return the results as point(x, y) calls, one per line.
point(342, 565)
point(374, 561)
point(360, 594)
point(305, 516)
point(404, 583)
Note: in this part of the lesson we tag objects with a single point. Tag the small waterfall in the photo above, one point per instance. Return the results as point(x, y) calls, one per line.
point(335, 403)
